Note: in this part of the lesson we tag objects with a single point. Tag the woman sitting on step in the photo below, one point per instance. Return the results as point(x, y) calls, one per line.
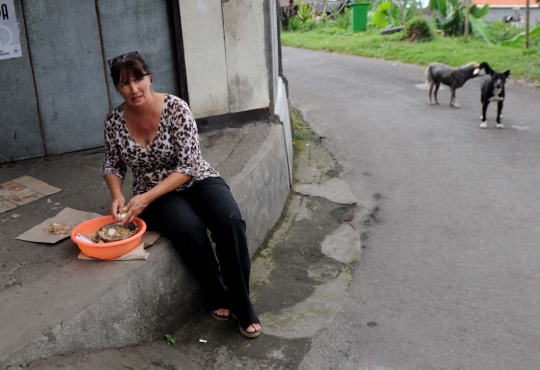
point(175, 191)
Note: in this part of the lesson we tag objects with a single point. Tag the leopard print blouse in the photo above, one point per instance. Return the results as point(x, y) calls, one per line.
point(174, 149)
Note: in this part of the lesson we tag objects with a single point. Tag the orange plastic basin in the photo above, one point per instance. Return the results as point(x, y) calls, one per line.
point(106, 251)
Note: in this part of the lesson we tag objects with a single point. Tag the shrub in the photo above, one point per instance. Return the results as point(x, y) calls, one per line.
point(500, 31)
point(419, 29)
point(294, 24)
point(343, 20)
point(304, 12)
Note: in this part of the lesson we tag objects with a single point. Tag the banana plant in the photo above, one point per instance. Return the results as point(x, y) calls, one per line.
point(479, 26)
point(382, 15)
point(450, 17)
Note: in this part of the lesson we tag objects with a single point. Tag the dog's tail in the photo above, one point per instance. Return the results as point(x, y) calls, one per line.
point(429, 78)
point(486, 67)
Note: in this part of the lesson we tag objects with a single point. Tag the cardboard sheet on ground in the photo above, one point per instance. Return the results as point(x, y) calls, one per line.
point(139, 253)
point(23, 190)
point(67, 216)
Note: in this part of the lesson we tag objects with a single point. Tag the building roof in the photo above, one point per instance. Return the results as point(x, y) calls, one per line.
point(506, 3)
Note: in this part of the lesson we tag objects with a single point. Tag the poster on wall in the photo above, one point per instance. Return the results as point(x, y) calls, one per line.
point(10, 44)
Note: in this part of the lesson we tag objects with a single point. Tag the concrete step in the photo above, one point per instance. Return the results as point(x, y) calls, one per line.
point(94, 304)
point(299, 285)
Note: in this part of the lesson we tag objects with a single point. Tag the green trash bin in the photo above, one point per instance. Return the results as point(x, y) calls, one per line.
point(359, 16)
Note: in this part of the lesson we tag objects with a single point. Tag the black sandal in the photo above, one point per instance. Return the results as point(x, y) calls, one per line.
point(244, 332)
point(220, 317)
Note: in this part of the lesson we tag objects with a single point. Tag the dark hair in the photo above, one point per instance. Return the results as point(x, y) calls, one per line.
point(123, 70)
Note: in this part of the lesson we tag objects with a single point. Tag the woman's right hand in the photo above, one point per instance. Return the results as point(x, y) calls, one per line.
point(117, 205)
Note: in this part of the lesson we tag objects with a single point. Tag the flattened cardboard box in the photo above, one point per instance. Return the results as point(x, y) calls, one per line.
point(67, 216)
point(23, 190)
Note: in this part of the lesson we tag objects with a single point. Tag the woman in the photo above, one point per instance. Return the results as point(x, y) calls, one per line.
point(175, 191)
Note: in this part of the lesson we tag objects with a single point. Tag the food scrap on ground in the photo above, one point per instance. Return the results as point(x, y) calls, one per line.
point(58, 229)
point(67, 216)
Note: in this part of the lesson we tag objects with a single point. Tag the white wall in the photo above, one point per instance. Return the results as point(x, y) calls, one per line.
point(275, 62)
point(202, 28)
point(247, 70)
point(224, 44)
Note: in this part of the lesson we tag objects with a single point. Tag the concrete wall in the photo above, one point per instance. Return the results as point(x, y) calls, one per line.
point(55, 97)
point(274, 34)
point(282, 111)
point(139, 19)
point(20, 130)
point(280, 98)
point(225, 52)
point(48, 106)
point(262, 187)
point(497, 13)
point(202, 27)
point(247, 71)
point(68, 73)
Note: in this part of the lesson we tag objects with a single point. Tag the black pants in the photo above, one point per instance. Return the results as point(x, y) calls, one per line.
point(184, 217)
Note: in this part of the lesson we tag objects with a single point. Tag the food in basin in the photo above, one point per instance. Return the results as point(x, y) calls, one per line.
point(110, 249)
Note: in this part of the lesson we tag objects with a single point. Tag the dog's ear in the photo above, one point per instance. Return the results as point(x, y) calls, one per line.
point(507, 73)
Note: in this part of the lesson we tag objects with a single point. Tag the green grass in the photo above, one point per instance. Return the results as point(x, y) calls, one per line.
point(301, 130)
point(523, 63)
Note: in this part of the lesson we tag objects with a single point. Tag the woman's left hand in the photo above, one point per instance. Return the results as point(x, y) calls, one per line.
point(135, 207)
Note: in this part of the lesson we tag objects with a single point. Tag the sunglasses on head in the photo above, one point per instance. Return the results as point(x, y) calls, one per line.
point(123, 57)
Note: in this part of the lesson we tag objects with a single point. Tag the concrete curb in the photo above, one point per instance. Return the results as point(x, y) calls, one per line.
point(262, 187)
point(98, 305)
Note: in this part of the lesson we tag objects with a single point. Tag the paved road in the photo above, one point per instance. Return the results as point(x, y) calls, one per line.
point(450, 275)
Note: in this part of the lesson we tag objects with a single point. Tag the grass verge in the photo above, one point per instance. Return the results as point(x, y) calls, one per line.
point(301, 130)
point(524, 64)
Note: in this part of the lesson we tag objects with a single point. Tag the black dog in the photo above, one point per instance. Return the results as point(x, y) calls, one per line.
point(492, 89)
point(438, 73)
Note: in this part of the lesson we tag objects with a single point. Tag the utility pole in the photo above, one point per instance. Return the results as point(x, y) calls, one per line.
point(527, 24)
point(467, 11)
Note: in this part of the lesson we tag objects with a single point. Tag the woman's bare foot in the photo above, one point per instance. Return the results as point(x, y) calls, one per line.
point(253, 328)
point(252, 331)
point(221, 314)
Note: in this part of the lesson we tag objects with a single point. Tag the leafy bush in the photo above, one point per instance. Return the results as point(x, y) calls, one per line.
point(419, 29)
point(305, 12)
point(393, 13)
point(500, 31)
point(534, 36)
point(382, 16)
point(296, 25)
